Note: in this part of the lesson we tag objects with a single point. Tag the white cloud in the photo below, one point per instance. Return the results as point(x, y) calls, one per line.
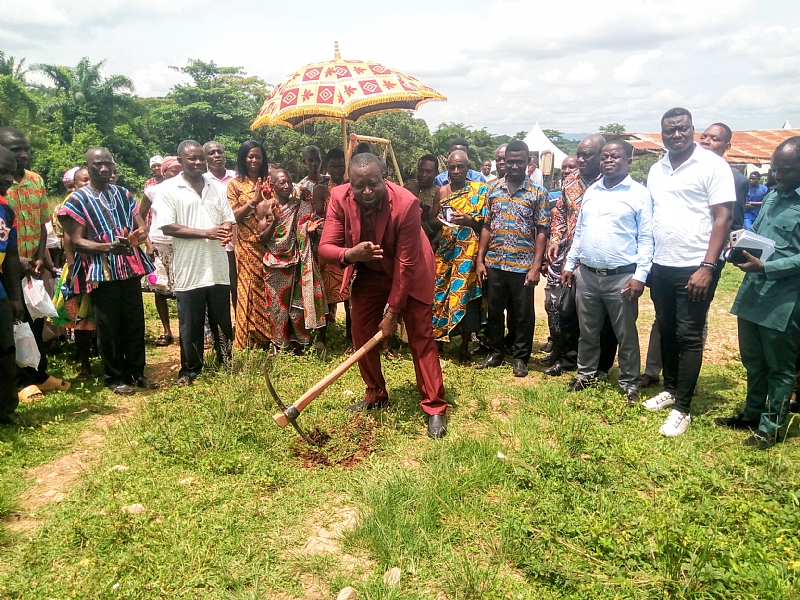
point(584, 72)
point(514, 85)
point(621, 61)
point(630, 68)
point(156, 79)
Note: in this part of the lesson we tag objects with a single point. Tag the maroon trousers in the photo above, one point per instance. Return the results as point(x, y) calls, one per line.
point(367, 303)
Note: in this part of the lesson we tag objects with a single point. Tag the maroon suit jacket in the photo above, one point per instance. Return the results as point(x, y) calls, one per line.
point(407, 255)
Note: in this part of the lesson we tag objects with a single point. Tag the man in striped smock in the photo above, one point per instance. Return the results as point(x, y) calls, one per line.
point(103, 222)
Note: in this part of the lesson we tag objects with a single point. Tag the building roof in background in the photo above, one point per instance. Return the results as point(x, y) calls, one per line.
point(753, 146)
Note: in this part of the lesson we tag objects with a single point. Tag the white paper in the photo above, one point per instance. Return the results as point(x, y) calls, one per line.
point(752, 241)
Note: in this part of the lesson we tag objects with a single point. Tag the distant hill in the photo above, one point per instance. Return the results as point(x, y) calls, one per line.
point(576, 137)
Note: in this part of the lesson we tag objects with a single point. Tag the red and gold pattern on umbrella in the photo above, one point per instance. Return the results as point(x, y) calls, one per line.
point(336, 89)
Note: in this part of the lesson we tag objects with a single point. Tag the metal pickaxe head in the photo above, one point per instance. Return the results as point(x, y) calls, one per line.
point(290, 411)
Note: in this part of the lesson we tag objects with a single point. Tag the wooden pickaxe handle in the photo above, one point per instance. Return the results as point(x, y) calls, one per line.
point(306, 399)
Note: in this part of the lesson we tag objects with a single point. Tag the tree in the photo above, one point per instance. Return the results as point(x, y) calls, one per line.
point(482, 144)
point(641, 166)
point(613, 128)
point(220, 101)
point(17, 104)
point(562, 143)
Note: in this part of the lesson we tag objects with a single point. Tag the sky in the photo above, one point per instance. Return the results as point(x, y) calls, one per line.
point(502, 65)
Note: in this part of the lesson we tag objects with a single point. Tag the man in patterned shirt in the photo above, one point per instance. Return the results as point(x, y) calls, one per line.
point(28, 197)
point(510, 256)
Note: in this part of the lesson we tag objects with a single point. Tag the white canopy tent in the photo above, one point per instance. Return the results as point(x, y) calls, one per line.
point(538, 142)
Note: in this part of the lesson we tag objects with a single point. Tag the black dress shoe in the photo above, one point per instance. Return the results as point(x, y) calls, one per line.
point(364, 405)
point(491, 361)
point(737, 422)
point(145, 383)
point(632, 396)
point(555, 370)
point(549, 360)
point(760, 440)
point(123, 389)
point(436, 427)
point(581, 383)
point(548, 347)
point(646, 381)
point(520, 368)
point(794, 406)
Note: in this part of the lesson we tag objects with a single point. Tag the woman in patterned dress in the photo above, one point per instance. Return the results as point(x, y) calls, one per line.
point(246, 192)
point(295, 300)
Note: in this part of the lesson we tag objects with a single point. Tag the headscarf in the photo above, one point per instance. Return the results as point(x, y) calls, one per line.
point(167, 163)
point(69, 175)
point(156, 160)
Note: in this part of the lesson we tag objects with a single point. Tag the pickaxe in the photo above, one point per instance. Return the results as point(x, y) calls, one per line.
point(290, 413)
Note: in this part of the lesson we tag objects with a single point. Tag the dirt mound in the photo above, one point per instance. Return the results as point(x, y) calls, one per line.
point(343, 447)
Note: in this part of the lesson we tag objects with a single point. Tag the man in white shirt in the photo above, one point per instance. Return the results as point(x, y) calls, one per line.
point(197, 215)
point(215, 156)
point(693, 195)
point(613, 245)
point(534, 172)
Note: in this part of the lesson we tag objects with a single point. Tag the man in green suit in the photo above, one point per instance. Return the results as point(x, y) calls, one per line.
point(768, 307)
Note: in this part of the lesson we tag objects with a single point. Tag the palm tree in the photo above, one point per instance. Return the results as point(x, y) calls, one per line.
point(10, 67)
point(82, 94)
point(17, 106)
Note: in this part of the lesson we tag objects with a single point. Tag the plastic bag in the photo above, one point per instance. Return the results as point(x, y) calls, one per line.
point(158, 279)
point(27, 351)
point(37, 299)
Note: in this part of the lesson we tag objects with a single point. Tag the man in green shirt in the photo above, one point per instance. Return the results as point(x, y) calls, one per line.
point(768, 307)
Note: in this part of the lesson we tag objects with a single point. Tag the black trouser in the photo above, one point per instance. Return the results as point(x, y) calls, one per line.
point(680, 323)
point(234, 275)
point(507, 290)
point(570, 335)
point(192, 307)
point(28, 375)
point(119, 316)
point(8, 364)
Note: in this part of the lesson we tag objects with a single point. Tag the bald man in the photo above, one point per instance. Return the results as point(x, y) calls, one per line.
point(373, 230)
point(461, 204)
point(109, 264)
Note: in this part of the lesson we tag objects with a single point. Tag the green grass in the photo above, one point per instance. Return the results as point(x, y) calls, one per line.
point(589, 502)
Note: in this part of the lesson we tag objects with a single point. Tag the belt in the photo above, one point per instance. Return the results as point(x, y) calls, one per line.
point(618, 271)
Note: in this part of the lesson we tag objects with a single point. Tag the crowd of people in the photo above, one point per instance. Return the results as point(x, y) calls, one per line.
point(451, 254)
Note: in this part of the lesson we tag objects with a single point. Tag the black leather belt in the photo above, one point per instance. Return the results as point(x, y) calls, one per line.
point(607, 272)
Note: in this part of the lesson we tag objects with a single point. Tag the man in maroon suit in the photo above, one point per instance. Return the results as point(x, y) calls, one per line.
point(373, 229)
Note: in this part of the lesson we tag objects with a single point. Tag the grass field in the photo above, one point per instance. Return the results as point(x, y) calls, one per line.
point(535, 493)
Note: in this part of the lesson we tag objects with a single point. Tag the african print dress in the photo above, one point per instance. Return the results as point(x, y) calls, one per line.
point(457, 285)
point(333, 275)
point(252, 322)
point(295, 302)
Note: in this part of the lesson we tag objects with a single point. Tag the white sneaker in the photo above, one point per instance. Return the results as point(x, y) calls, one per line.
point(676, 424)
point(661, 401)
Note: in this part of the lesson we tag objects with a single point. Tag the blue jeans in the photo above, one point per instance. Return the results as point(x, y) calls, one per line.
point(750, 217)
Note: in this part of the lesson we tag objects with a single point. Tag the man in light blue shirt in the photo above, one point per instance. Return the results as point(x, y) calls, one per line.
point(463, 145)
point(613, 246)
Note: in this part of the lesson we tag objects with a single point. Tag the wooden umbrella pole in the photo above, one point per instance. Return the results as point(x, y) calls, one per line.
point(394, 161)
point(345, 146)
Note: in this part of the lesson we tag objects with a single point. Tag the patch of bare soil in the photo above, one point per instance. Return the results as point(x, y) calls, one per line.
point(344, 446)
point(52, 480)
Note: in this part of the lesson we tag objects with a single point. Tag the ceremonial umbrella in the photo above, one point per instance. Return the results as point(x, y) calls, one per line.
point(342, 90)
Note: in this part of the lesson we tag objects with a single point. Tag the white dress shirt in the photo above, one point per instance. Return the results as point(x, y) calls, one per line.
point(614, 229)
point(682, 201)
point(155, 233)
point(197, 262)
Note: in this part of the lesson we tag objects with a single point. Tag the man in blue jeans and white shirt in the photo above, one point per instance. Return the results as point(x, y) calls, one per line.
point(613, 248)
point(693, 196)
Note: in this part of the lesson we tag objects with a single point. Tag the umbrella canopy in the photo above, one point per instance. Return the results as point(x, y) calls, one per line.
point(342, 90)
